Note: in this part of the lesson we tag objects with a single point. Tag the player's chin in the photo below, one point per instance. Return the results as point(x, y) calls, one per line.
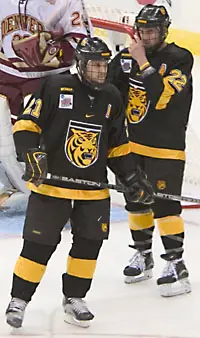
point(101, 80)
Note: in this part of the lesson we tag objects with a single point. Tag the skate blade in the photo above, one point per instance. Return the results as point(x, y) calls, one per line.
point(36, 324)
point(180, 287)
point(13, 322)
point(70, 319)
point(147, 274)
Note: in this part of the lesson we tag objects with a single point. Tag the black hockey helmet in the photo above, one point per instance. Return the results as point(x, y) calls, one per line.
point(91, 48)
point(152, 16)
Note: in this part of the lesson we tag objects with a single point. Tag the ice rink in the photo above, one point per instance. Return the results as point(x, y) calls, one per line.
point(120, 310)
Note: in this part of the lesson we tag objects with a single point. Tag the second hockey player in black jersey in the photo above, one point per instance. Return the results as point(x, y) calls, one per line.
point(156, 84)
point(74, 127)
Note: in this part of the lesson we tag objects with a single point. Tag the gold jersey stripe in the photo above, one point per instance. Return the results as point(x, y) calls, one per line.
point(24, 125)
point(29, 270)
point(170, 225)
point(166, 95)
point(82, 268)
point(157, 152)
point(126, 54)
point(122, 150)
point(140, 221)
point(73, 194)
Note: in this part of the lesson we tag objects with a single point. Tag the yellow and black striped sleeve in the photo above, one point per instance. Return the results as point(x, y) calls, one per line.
point(162, 90)
point(33, 119)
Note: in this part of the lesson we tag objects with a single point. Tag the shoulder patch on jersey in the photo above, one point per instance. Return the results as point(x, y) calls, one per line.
point(126, 65)
point(108, 111)
point(66, 101)
point(162, 69)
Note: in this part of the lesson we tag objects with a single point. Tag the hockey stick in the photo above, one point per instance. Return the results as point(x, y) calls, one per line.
point(177, 198)
point(102, 185)
point(86, 19)
point(169, 2)
point(119, 188)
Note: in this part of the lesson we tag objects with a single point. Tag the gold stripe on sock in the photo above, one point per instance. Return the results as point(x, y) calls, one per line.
point(82, 268)
point(140, 221)
point(29, 270)
point(170, 225)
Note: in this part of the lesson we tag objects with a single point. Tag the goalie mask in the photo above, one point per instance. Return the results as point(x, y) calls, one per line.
point(152, 24)
point(92, 57)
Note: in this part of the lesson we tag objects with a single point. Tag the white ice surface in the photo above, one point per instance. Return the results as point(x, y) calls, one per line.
point(120, 310)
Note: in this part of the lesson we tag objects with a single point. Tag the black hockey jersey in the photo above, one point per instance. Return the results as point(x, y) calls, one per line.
point(81, 130)
point(158, 105)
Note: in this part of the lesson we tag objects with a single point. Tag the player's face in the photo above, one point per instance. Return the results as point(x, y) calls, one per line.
point(150, 36)
point(96, 71)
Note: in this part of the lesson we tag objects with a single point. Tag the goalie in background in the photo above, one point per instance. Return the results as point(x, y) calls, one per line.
point(155, 80)
point(77, 132)
point(27, 55)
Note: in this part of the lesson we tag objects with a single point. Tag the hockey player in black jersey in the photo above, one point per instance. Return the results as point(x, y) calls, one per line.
point(155, 80)
point(73, 126)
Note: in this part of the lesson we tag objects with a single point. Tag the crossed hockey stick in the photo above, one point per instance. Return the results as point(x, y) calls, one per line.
point(119, 188)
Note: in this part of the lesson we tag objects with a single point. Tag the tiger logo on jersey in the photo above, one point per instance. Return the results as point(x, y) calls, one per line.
point(161, 185)
point(82, 143)
point(137, 104)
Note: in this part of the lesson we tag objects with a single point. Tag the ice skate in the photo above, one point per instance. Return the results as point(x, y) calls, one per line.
point(174, 280)
point(76, 312)
point(140, 267)
point(15, 312)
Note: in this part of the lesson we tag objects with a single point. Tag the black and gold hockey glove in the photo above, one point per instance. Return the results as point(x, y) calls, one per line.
point(139, 188)
point(36, 166)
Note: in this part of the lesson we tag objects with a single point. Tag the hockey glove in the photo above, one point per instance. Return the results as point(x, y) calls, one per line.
point(36, 166)
point(38, 49)
point(139, 188)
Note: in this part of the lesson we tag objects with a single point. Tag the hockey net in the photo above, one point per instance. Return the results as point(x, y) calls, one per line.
point(117, 34)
